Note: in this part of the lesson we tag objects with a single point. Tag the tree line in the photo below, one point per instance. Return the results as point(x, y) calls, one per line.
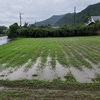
point(49, 31)
point(3, 30)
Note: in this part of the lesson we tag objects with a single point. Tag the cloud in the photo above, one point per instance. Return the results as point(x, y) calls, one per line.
point(37, 10)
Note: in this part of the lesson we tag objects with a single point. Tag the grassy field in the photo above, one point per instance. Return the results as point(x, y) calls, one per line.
point(51, 63)
point(68, 51)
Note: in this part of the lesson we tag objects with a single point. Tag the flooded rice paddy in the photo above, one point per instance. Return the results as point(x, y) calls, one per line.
point(47, 72)
point(50, 58)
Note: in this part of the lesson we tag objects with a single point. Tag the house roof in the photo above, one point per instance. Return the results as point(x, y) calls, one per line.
point(95, 18)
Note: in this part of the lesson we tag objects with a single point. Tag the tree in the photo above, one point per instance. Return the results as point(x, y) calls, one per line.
point(13, 30)
point(3, 29)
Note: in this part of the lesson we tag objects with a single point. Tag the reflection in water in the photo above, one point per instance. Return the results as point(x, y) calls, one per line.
point(80, 76)
point(49, 73)
point(33, 71)
point(3, 40)
point(61, 71)
point(19, 73)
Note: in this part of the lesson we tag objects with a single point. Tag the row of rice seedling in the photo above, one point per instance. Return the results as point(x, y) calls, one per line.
point(89, 54)
point(19, 56)
point(80, 58)
point(68, 51)
point(71, 59)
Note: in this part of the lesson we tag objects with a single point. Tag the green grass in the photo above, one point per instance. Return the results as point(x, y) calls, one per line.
point(68, 51)
point(47, 94)
point(56, 83)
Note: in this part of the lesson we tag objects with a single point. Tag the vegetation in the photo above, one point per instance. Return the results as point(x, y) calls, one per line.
point(68, 51)
point(68, 19)
point(12, 32)
point(72, 51)
point(55, 84)
point(29, 89)
point(3, 30)
point(52, 20)
point(44, 94)
point(48, 31)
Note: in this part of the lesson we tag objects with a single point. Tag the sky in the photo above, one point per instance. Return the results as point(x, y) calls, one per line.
point(38, 10)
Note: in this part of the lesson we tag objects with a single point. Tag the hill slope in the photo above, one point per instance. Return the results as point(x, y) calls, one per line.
point(91, 10)
point(52, 20)
point(81, 17)
point(65, 20)
point(68, 19)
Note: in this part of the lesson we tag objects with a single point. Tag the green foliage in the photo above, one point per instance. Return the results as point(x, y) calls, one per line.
point(52, 20)
point(55, 84)
point(68, 19)
point(69, 77)
point(68, 51)
point(81, 17)
point(48, 31)
point(12, 32)
point(18, 52)
point(3, 29)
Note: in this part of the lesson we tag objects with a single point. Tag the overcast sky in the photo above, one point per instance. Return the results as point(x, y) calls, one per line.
point(38, 10)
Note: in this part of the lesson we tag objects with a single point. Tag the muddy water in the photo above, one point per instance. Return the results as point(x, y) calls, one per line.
point(18, 73)
point(79, 75)
point(85, 75)
point(3, 40)
point(33, 71)
point(49, 73)
point(5, 73)
point(61, 71)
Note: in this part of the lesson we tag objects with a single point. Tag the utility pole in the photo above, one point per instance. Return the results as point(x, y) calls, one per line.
point(20, 16)
point(74, 16)
point(35, 22)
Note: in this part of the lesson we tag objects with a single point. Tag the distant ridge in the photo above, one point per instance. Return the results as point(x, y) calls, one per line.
point(52, 20)
point(67, 19)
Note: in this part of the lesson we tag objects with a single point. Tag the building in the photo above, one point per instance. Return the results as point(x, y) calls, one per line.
point(93, 19)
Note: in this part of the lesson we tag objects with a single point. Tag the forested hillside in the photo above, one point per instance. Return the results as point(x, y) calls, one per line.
point(68, 19)
point(52, 20)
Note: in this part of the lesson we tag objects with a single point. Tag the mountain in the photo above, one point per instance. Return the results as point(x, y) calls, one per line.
point(81, 17)
point(52, 20)
point(91, 10)
point(65, 20)
point(68, 19)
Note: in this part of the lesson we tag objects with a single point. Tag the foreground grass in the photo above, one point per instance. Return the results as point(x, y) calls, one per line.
point(45, 90)
point(46, 94)
point(55, 84)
